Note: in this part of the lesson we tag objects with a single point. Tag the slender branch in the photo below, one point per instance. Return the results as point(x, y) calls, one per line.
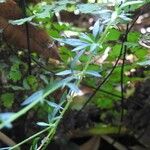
point(23, 5)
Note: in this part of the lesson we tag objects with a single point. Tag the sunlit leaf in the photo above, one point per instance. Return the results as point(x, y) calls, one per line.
point(93, 73)
point(62, 73)
point(94, 47)
point(130, 3)
point(76, 59)
point(73, 87)
point(54, 105)
point(85, 37)
point(96, 28)
point(42, 124)
point(72, 42)
point(21, 21)
point(37, 96)
point(6, 116)
point(82, 47)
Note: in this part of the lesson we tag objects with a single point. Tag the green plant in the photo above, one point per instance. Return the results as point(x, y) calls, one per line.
point(85, 48)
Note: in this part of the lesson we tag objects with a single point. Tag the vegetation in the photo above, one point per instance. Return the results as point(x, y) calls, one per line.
point(97, 67)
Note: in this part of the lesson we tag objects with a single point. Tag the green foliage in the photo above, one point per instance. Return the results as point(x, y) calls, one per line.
point(32, 82)
point(15, 73)
point(79, 64)
point(7, 99)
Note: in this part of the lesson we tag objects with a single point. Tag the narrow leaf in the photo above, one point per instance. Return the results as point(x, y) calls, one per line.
point(21, 21)
point(93, 47)
point(85, 37)
point(52, 104)
point(76, 59)
point(131, 3)
point(62, 73)
point(72, 42)
point(93, 73)
point(43, 124)
point(73, 87)
point(37, 96)
point(81, 47)
point(96, 28)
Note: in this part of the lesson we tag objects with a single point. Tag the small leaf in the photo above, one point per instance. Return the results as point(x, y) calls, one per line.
point(43, 124)
point(32, 82)
point(73, 87)
point(72, 42)
point(125, 18)
point(76, 59)
point(6, 116)
point(54, 86)
point(93, 73)
point(81, 47)
point(96, 28)
point(26, 85)
point(62, 73)
point(85, 37)
point(5, 148)
point(7, 99)
point(130, 3)
point(93, 47)
point(54, 105)
point(37, 96)
point(44, 78)
point(15, 73)
point(21, 21)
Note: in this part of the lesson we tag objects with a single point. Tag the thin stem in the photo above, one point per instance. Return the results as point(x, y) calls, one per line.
point(18, 114)
point(69, 101)
point(30, 138)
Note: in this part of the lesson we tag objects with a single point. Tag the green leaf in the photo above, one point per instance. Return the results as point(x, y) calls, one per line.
point(21, 21)
point(6, 116)
point(65, 72)
point(81, 47)
point(131, 3)
point(72, 42)
point(133, 37)
point(26, 85)
point(76, 59)
point(113, 35)
point(54, 105)
point(94, 47)
point(42, 124)
point(104, 103)
point(54, 86)
point(97, 28)
point(7, 99)
point(32, 82)
point(73, 87)
point(44, 78)
point(37, 96)
point(85, 37)
point(93, 73)
point(89, 7)
point(15, 73)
